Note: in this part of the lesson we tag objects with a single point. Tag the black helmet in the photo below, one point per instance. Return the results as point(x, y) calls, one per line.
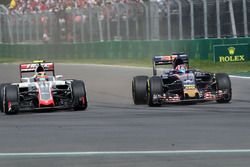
point(39, 69)
point(177, 61)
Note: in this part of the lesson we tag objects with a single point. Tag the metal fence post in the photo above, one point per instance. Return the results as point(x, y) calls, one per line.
point(90, 23)
point(127, 23)
point(23, 28)
point(154, 13)
point(169, 20)
point(51, 27)
point(82, 27)
point(192, 17)
point(231, 10)
point(17, 28)
point(108, 24)
point(245, 18)
point(118, 21)
point(10, 29)
point(100, 25)
point(136, 29)
point(205, 18)
point(146, 20)
point(30, 27)
point(3, 12)
point(37, 26)
point(74, 26)
point(218, 19)
point(180, 19)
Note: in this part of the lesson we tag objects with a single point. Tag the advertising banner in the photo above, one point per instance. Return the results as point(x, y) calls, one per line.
point(231, 53)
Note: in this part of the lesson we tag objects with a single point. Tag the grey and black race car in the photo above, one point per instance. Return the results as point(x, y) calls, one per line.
point(42, 91)
point(180, 84)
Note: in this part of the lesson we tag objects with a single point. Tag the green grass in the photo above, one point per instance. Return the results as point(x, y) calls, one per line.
point(123, 62)
point(240, 67)
point(243, 67)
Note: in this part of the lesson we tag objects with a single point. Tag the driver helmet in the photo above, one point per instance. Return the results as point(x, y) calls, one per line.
point(41, 76)
point(182, 68)
point(40, 68)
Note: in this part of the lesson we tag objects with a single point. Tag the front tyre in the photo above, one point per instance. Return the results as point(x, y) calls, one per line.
point(80, 101)
point(139, 89)
point(155, 88)
point(2, 95)
point(11, 100)
point(223, 84)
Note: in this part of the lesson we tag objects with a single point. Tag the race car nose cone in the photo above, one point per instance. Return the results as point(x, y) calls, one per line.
point(192, 93)
point(46, 103)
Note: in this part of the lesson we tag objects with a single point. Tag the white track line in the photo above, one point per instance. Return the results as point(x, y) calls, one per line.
point(179, 152)
point(241, 77)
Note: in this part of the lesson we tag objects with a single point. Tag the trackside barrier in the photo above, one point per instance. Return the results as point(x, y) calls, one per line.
point(196, 49)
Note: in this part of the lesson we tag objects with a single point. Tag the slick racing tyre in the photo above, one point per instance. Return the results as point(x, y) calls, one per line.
point(79, 95)
point(11, 100)
point(155, 88)
point(1, 95)
point(139, 89)
point(223, 83)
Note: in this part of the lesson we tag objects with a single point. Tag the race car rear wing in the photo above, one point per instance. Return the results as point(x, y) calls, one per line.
point(32, 67)
point(169, 59)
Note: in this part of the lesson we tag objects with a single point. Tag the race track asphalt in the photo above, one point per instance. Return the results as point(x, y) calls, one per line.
point(113, 123)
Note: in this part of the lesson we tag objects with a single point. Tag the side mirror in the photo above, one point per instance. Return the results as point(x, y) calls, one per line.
point(59, 76)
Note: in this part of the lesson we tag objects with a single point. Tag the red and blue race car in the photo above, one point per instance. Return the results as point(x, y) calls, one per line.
point(180, 84)
point(42, 91)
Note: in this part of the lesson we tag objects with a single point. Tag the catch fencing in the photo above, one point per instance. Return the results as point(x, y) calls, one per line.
point(159, 20)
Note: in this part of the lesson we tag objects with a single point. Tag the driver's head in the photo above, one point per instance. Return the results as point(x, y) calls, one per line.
point(177, 61)
point(41, 76)
point(182, 68)
point(40, 69)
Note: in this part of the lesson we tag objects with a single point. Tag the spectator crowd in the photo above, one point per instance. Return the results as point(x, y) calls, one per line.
point(38, 6)
point(65, 20)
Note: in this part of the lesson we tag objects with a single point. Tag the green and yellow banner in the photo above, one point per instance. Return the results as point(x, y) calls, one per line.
point(231, 53)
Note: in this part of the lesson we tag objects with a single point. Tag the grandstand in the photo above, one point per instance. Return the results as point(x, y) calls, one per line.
point(72, 21)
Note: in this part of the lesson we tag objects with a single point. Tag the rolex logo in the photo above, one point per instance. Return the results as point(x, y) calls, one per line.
point(231, 50)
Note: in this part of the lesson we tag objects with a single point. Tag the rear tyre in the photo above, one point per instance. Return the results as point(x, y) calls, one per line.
point(155, 87)
point(139, 89)
point(2, 95)
point(80, 101)
point(223, 83)
point(11, 100)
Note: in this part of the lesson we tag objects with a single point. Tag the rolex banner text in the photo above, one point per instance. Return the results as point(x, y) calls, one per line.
point(231, 53)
